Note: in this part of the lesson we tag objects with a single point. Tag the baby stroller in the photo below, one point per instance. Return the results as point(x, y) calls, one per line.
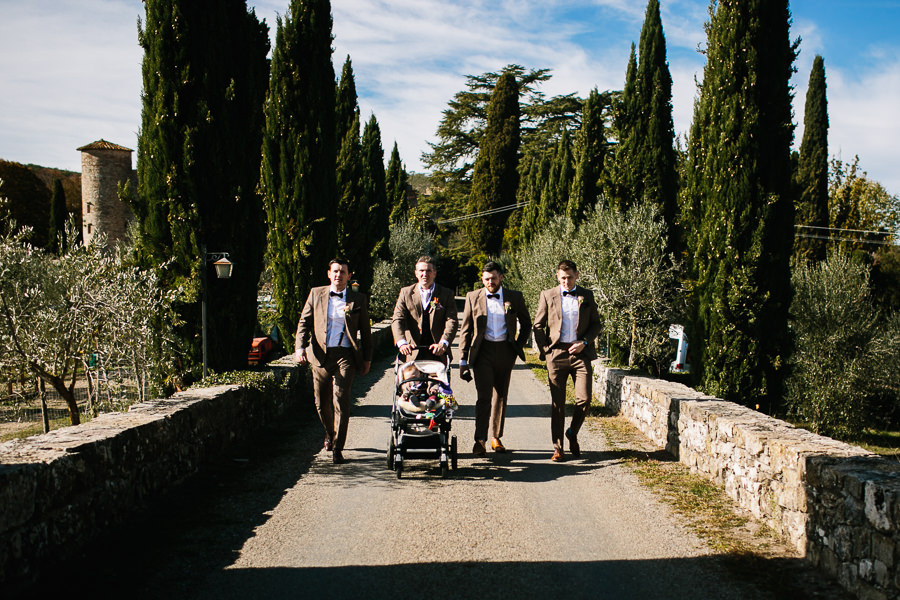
point(421, 414)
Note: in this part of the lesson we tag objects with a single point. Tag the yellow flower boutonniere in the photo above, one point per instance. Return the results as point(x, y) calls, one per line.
point(507, 307)
point(580, 299)
point(347, 310)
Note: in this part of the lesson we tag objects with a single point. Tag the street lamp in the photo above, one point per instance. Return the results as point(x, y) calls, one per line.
point(223, 271)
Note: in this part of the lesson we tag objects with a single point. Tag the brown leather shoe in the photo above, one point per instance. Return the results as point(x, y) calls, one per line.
point(574, 447)
point(497, 445)
point(328, 444)
point(337, 458)
point(558, 456)
point(478, 448)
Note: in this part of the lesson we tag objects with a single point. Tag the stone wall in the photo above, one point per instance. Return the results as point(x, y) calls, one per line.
point(60, 489)
point(838, 504)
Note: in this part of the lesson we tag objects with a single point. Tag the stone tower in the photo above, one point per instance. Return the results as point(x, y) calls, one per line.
point(104, 166)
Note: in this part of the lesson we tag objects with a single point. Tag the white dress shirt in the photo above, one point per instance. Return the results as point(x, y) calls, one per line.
point(496, 318)
point(337, 306)
point(567, 333)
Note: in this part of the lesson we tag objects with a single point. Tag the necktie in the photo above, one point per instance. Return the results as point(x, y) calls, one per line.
point(493, 295)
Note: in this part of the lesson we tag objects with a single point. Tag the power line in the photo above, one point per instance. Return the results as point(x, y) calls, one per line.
point(483, 213)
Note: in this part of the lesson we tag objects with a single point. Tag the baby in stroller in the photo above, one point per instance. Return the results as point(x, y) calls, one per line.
point(422, 414)
point(419, 392)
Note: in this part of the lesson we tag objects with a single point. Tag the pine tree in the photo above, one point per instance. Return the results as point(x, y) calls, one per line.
point(812, 208)
point(495, 177)
point(396, 183)
point(197, 171)
point(590, 155)
point(299, 158)
point(377, 225)
point(737, 203)
point(58, 217)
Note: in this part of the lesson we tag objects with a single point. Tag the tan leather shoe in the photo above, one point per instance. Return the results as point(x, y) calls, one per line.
point(497, 446)
point(558, 456)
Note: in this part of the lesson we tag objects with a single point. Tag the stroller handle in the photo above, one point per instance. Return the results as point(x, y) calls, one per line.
point(445, 358)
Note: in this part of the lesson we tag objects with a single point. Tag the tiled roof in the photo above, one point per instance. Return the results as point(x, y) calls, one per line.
point(102, 144)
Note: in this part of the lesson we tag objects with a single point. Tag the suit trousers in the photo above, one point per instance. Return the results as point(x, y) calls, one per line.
point(492, 370)
point(331, 386)
point(560, 366)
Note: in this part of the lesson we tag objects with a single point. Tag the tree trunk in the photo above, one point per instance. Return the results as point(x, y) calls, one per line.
point(42, 394)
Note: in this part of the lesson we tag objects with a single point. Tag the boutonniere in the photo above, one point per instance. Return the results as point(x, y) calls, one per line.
point(348, 309)
point(507, 307)
point(580, 299)
point(434, 304)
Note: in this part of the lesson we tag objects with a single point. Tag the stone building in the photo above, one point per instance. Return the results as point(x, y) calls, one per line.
point(104, 166)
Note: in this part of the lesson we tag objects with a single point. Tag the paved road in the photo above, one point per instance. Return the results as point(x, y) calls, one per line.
point(280, 521)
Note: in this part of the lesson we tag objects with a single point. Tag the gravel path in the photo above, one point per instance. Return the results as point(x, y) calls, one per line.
point(279, 520)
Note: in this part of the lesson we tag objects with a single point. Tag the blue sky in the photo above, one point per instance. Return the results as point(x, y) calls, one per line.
point(70, 69)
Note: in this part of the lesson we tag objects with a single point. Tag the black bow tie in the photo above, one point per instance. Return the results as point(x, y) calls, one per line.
point(493, 295)
point(568, 293)
point(338, 294)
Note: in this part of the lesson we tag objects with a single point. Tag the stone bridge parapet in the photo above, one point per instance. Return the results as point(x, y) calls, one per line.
point(837, 504)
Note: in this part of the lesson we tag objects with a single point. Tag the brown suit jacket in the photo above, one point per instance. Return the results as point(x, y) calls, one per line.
point(406, 323)
point(313, 326)
point(474, 323)
point(548, 321)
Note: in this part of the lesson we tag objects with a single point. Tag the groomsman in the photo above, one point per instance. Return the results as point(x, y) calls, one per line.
point(334, 326)
point(425, 315)
point(565, 326)
point(488, 346)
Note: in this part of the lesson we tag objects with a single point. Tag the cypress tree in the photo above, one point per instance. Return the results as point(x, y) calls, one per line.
point(495, 178)
point(352, 206)
point(197, 173)
point(530, 192)
point(555, 192)
point(626, 176)
point(377, 225)
point(299, 157)
point(812, 208)
point(347, 103)
point(737, 203)
point(657, 179)
point(58, 216)
point(590, 155)
point(396, 183)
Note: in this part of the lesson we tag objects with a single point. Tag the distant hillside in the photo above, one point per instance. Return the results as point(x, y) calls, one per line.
point(71, 182)
point(28, 189)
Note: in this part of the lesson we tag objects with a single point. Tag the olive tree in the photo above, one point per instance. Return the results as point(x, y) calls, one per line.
point(407, 243)
point(845, 352)
point(56, 312)
point(623, 257)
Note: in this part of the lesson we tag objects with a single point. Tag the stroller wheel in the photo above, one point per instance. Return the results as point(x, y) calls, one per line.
point(445, 469)
point(390, 454)
point(399, 468)
point(453, 461)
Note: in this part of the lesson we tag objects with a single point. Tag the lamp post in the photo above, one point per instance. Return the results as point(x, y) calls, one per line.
point(223, 271)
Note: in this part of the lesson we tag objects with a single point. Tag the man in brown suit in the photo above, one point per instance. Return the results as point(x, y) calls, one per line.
point(489, 346)
point(565, 326)
point(425, 315)
point(335, 325)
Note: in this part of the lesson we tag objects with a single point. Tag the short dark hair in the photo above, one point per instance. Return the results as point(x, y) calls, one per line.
point(567, 265)
point(427, 259)
point(492, 266)
point(339, 261)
